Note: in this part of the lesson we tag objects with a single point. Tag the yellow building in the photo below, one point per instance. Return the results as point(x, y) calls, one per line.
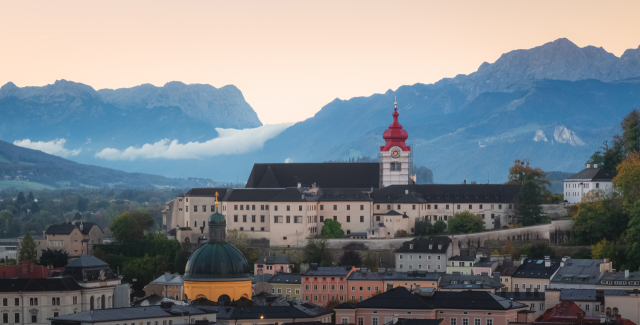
point(217, 270)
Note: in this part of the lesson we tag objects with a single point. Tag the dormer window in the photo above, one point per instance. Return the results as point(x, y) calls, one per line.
point(439, 246)
point(430, 246)
point(410, 246)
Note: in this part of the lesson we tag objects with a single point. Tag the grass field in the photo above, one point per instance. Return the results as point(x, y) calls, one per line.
point(21, 185)
point(66, 185)
point(4, 159)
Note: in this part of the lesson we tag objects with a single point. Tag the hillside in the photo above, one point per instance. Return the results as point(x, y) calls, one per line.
point(32, 169)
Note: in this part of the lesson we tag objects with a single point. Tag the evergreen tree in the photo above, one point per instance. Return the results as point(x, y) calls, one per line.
point(529, 208)
point(20, 201)
point(30, 197)
point(28, 250)
point(332, 229)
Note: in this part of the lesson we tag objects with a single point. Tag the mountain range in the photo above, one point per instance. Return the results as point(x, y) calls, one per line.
point(553, 104)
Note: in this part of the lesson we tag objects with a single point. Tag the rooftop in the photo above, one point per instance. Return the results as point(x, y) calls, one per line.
point(591, 174)
point(35, 285)
point(285, 278)
point(578, 271)
point(328, 270)
point(324, 175)
point(537, 269)
point(426, 245)
point(273, 260)
point(454, 193)
point(120, 314)
point(465, 281)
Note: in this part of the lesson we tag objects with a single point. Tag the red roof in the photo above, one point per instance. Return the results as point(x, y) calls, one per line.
point(395, 135)
point(569, 312)
point(28, 272)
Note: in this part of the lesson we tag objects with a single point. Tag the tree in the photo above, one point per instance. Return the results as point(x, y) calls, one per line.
point(465, 223)
point(631, 132)
point(20, 201)
point(521, 172)
point(145, 269)
point(238, 239)
point(180, 261)
point(632, 237)
point(528, 211)
point(599, 215)
point(401, 233)
point(608, 249)
point(316, 252)
point(83, 204)
point(57, 258)
point(438, 228)
point(30, 197)
point(424, 175)
point(332, 229)
point(130, 226)
point(539, 250)
point(28, 250)
point(350, 258)
point(627, 180)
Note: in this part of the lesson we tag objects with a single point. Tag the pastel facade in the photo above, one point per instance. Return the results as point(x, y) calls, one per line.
point(286, 284)
point(323, 284)
point(167, 285)
point(165, 314)
point(272, 265)
point(534, 274)
point(425, 254)
point(77, 239)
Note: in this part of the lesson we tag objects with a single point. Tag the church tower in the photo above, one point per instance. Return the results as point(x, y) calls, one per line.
point(396, 159)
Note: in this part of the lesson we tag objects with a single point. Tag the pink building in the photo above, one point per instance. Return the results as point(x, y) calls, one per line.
point(363, 284)
point(323, 284)
point(456, 308)
point(272, 265)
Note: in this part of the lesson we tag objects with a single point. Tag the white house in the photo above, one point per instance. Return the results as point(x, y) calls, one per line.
point(591, 178)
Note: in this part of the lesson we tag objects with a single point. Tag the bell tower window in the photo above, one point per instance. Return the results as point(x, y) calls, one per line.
point(395, 166)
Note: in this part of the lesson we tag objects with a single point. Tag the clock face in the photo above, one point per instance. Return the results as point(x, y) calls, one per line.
point(395, 153)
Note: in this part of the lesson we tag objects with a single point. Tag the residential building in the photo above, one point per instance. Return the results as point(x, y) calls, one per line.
point(535, 300)
point(590, 179)
point(77, 239)
point(568, 312)
point(598, 303)
point(323, 284)
point(273, 265)
point(260, 278)
point(579, 273)
point(506, 272)
point(363, 284)
point(456, 308)
point(485, 265)
point(466, 282)
point(625, 280)
point(286, 284)
point(410, 280)
point(163, 314)
point(462, 264)
point(534, 274)
point(34, 300)
point(8, 250)
point(166, 286)
point(101, 287)
point(425, 254)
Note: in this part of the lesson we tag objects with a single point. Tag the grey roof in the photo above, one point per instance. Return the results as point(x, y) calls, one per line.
point(450, 193)
point(8, 243)
point(464, 281)
point(251, 194)
point(615, 292)
point(35, 285)
point(324, 175)
point(285, 278)
point(578, 294)
point(415, 275)
point(327, 270)
point(273, 260)
point(439, 245)
point(522, 295)
point(119, 314)
point(591, 174)
point(367, 276)
point(342, 194)
point(619, 277)
point(536, 269)
point(506, 270)
point(86, 261)
point(168, 278)
point(462, 258)
point(581, 271)
point(261, 278)
point(295, 310)
point(207, 192)
point(412, 321)
point(63, 229)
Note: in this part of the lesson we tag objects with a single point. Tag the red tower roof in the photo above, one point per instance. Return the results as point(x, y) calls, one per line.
point(395, 135)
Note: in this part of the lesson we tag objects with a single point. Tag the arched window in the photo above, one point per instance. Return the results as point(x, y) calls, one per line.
point(91, 303)
point(109, 303)
point(102, 302)
point(195, 224)
point(615, 311)
point(224, 300)
point(608, 311)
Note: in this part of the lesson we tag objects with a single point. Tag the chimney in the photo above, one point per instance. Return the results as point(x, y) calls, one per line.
point(381, 270)
point(522, 259)
point(595, 165)
point(24, 267)
point(363, 270)
point(626, 274)
point(588, 165)
point(547, 261)
point(299, 185)
point(496, 276)
point(465, 182)
point(613, 271)
point(81, 226)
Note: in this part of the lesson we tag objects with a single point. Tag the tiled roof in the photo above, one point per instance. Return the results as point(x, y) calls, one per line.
point(565, 312)
point(33, 272)
point(207, 192)
point(464, 281)
point(583, 271)
point(578, 294)
point(619, 277)
point(291, 194)
point(397, 298)
point(63, 229)
point(294, 310)
point(506, 270)
point(536, 269)
point(285, 278)
point(591, 174)
point(455, 193)
point(342, 194)
point(86, 226)
point(521, 295)
point(168, 278)
point(252, 194)
point(367, 276)
point(261, 278)
point(35, 285)
point(273, 260)
point(471, 300)
point(324, 175)
point(421, 245)
point(119, 314)
point(327, 270)
point(86, 261)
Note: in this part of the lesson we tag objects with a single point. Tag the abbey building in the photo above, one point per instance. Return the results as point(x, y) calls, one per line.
point(285, 203)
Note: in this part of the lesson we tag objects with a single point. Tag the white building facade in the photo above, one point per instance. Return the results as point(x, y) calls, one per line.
point(590, 179)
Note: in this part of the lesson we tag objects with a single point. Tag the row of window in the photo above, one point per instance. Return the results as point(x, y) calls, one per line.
point(273, 290)
point(438, 267)
point(435, 206)
point(577, 185)
point(438, 257)
point(55, 301)
point(387, 320)
point(524, 286)
point(324, 278)
point(324, 287)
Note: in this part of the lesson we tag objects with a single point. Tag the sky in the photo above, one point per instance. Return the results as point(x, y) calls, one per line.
point(289, 58)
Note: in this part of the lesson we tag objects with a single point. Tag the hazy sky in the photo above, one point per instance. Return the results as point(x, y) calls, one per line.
point(289, 58)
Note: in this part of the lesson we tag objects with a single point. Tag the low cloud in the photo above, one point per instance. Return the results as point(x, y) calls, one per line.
point(53, 147)
point(229, 142)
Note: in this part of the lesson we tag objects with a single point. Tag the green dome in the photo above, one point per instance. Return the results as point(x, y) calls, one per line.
point(217, 219)
point(216, 260)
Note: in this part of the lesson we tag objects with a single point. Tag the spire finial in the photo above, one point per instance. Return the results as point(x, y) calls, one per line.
point(395, 104)
point(216, 200)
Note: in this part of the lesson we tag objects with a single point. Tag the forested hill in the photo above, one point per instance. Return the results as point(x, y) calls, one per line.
point(33, 169)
